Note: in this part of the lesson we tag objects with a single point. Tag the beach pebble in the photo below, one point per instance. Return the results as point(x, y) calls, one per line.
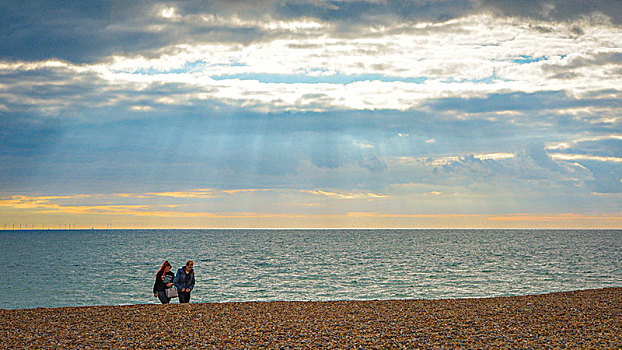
point(580, 319)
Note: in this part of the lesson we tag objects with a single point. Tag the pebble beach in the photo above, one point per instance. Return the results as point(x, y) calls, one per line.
point(587, 319)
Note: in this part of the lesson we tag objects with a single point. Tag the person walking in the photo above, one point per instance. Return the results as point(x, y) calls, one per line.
point(163, 281)
point(184, 281)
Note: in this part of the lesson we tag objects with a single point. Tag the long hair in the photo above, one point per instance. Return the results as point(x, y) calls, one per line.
point(165, 264)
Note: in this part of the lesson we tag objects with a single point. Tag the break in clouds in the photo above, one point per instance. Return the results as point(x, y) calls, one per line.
point(436, 107)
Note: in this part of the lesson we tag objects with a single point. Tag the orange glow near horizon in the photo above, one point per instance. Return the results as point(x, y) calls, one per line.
point(42, 211)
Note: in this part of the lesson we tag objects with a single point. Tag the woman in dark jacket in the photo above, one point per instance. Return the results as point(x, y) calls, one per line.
point(184, 281)
point(164, 279)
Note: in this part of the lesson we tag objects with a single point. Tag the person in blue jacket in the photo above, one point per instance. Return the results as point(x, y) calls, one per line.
point(184, 281)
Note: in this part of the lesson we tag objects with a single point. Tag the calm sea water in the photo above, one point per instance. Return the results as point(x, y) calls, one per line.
point(111, 267)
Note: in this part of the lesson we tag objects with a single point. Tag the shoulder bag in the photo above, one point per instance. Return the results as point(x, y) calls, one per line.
point(172, 292)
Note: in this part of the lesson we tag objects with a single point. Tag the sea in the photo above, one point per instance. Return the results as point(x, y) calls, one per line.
point(57, 268)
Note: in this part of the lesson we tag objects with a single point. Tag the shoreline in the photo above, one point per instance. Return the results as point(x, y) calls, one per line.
point(175, 300)
point(589, 318)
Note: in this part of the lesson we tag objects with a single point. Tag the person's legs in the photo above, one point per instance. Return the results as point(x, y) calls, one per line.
point(163, 298)
point(184, 297)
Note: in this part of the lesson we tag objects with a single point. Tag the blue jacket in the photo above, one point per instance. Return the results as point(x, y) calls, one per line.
point(183, 280)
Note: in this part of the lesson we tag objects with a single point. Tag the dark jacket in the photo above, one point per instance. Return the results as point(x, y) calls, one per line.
point(159, 285)
point(183, 280)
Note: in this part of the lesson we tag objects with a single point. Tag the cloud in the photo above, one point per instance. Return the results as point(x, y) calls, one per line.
point(606, 146)
point(536, 152)
point(586, 61)
point(352, 13)
point(198, 193)
point(57, 204)
point(341, 195)
point(96, 33)
point(373, 163)
point(40, 30)
point(516, 101)
point(176, 103)
point(556, 10)
point(599, 155)
point(324, 71)
point(241, 149)
point(328, 152)
point(554, 218)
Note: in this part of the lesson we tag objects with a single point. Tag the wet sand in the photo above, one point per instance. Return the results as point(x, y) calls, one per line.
point(580, 319)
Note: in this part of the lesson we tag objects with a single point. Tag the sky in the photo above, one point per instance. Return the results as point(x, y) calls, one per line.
point(311, 114)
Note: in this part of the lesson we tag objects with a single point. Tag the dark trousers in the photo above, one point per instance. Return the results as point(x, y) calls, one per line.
point(184, 297)
point(163, 298)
